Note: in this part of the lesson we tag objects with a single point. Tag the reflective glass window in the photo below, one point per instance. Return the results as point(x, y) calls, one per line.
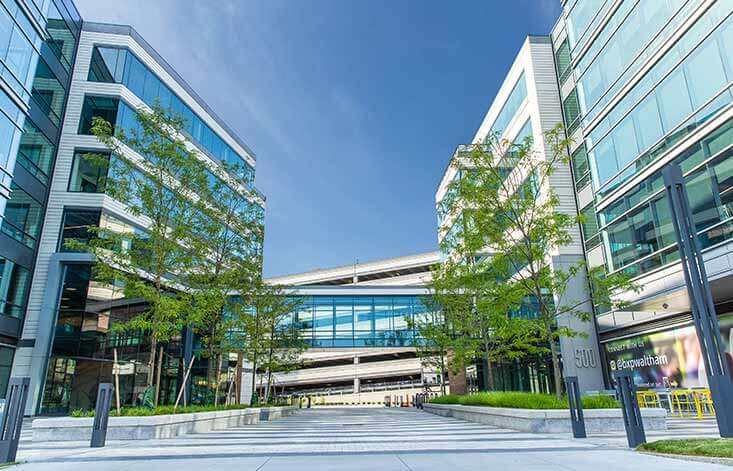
point(110, 64)
point(103, 107)
point(76, 228)
point(36, 153)
point(87, 176)
point(14, 283)
point(512, 104)
point(22, 217)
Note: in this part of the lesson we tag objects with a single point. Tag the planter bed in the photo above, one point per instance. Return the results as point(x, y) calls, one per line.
point(547, 420)
point(154, 426)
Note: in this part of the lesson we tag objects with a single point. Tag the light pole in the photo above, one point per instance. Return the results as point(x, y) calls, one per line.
point(701, 300)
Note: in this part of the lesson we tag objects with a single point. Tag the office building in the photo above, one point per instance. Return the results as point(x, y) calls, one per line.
point(54, 194)
point(354, 320)
point(645, 84)
point(38, 41)
point(527, 105)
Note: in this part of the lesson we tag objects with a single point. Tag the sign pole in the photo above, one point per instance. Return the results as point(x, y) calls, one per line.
point(701, 299)
point(116, 370)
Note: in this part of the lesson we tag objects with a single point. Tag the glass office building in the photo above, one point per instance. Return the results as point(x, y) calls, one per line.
point(38, 43)
point(526, 105)
point(646, 84)
point(358, 321)
point(50, 194)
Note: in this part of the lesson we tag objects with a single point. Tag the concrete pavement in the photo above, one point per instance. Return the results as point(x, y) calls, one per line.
point(353, 439)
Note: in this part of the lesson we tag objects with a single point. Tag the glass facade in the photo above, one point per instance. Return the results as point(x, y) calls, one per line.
point(38, 41)
point(681, 92)
point(631, 120)
point(117, 65)
point(358, 321)
point(82, 355)
point(14, 283)
point(511, 106)
point(87, 179)
point(85, 337)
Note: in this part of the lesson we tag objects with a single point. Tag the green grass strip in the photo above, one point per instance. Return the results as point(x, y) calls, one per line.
point(523, 400)
point(710, 447)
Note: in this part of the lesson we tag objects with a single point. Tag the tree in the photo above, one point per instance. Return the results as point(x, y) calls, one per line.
point(159, 180)
point(262, 331)
point(435, 339)
point(501, 257)
point(480, 315)
point(228, 258)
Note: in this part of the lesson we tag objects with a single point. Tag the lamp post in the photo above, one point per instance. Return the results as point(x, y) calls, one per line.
point(701, 300)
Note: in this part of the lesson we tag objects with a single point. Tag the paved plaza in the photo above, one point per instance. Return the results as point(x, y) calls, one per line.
point(374, 439)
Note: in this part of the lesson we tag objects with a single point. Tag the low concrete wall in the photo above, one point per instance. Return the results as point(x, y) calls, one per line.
point(156, 426)
point(547, 420)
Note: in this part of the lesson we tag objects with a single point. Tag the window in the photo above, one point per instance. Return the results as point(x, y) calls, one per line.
point(48, 93)
point(76, 228)
point(14, 283)
point(674, 101)
point(63, 40)
point(572, 111)
point(690, 93)
point(36, 153)
point(118, 65)
point(6, 362)
point(639, 226)
point(94, 106)
point(563, 60)
point(705, 74)
point(581, 170)
point(107, 65)
point(87, 176)
point(512, 104)
point(590, 222)
point(22, 217)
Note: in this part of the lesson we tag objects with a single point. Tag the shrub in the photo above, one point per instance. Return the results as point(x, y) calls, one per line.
point(160, 410)
point(523, 400)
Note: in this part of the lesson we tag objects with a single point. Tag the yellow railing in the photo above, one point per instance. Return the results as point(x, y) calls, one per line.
point(682, 402)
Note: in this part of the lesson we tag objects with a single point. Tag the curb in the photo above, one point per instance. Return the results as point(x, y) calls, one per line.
point(697, 459)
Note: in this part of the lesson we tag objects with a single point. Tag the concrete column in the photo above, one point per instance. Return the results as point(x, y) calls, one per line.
point(357, 385)
point(580, 355)
point(457, 381)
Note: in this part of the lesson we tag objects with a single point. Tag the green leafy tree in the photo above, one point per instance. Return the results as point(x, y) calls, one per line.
point(227, 246)
point(262, 332)
point(158, 179)
point(435, 339)
point(501, 258)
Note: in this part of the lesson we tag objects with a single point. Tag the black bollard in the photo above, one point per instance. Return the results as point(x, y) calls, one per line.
point(575, 404)
point(101, 415)
point(12, 419)
point(630, 406)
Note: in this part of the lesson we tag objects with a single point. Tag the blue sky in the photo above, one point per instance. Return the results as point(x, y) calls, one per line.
point(353, 108)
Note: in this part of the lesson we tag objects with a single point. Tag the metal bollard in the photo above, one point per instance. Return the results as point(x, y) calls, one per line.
point(630, 406)
point(575, 404)
point(101, 415)
point(12, 419)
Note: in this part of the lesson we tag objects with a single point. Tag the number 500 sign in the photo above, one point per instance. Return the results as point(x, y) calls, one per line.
point(585, 358)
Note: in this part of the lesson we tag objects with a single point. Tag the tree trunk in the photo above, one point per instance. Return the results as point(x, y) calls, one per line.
point(157, 376)
point(254, 379)
point(216, 379)
point(557, 374)
point(151, 361)
point(489, 371)
point(442, 373)
point(238, 379)
point(266, 388)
